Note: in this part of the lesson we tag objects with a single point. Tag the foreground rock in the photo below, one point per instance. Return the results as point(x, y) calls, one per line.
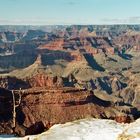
point(90, 129)
point(131, 132)
point(87, 129)
point(35, 110)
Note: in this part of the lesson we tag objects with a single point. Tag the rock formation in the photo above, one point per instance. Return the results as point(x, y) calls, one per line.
point(68, 73)
point(37, 109)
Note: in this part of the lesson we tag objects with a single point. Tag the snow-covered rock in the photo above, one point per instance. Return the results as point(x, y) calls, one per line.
point(88, 129)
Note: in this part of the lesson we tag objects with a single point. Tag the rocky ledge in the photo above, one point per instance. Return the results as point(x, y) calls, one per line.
point(32, 111)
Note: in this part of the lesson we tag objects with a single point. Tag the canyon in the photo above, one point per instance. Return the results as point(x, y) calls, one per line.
point(55, 76)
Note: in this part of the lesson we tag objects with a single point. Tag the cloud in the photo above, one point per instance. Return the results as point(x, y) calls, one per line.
point(37, 21)
point(129, 20)
point(15, 21)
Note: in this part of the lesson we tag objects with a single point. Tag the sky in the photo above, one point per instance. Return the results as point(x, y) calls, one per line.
point(67, 12)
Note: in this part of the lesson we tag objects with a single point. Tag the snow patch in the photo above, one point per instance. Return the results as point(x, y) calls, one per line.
point(86, 129)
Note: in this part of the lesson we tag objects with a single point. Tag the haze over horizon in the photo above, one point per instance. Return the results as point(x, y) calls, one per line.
point(65, 12)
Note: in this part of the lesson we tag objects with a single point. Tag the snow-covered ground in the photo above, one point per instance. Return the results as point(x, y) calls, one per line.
point(88, 129)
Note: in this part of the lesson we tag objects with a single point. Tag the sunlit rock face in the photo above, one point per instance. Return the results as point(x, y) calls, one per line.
point(37, 109)
point(69, 74)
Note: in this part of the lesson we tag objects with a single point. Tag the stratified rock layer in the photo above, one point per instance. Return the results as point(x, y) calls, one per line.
point(38, 109)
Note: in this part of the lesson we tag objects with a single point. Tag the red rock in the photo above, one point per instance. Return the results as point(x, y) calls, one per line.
point(40, 108)
point(54, 45)
point(77, 56)
point(91, 50)
point(123, 119)
point(110, 50)
point(136, 48)
point(42, 80)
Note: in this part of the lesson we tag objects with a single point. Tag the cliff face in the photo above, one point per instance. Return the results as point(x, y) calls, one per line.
point(35, 110)
point(16, 61)
point(45, 70)
point(13, 83)
point(6, 111)
point(89, 44)
point(53, 46)
point(41, 80)
point(128, 39)
point(9, 36)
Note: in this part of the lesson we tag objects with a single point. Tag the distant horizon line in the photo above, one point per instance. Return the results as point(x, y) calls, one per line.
point(69, 24)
